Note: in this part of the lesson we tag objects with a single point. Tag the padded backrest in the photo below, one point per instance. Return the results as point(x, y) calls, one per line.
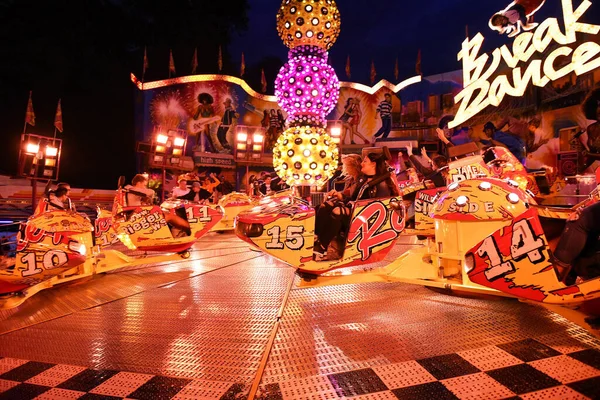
point(463, 149)
point(47, 188)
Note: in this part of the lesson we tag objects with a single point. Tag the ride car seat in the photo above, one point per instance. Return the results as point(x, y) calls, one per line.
point(463, 150)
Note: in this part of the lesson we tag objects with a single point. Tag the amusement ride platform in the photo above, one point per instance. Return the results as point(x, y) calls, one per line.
point(231, 323)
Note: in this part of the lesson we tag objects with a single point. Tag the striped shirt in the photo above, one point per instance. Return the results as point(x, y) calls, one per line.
point(385, 109)
point(274, 122)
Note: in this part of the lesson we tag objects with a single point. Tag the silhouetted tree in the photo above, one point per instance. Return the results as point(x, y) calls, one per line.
point(83, 52)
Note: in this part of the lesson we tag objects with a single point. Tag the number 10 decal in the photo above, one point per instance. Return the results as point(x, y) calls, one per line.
point(294, 239)
point(51, 259)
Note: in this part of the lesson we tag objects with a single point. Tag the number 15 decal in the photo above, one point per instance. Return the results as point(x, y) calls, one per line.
point(294, 239)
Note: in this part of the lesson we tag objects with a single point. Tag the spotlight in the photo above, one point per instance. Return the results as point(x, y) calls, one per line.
point(32, 148)
point(179, 142)
point(51, 151)
point(257, 138)
point(242, 137)
point(162, 139)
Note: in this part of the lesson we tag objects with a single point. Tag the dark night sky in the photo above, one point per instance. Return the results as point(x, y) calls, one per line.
point(38, 41)
point(385, 29)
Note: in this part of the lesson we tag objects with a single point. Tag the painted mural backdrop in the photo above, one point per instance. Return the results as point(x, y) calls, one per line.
point(212, 107)
point(216, 104)
point(357, 110)
point(554, 143)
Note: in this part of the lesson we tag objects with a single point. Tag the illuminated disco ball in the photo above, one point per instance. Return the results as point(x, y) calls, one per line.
point(305, 155)
point(307, 85)
point(308, 22)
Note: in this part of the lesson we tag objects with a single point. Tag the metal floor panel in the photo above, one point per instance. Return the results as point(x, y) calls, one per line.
point(342, 328)
point(211, 319)
point(61, 301)
point(214, 327)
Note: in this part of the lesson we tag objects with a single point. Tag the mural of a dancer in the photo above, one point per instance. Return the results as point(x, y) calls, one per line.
point(518, 15)
point(365, 115)
point(205, 120)
point(275, 124)
point(228, 124)
point(351, 118)
point(210, 112)
point(384, 109)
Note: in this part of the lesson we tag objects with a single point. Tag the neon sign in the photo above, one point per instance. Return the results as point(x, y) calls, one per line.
point(479, 92)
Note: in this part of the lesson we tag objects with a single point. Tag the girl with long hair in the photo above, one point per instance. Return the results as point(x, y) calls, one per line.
point(332, 218)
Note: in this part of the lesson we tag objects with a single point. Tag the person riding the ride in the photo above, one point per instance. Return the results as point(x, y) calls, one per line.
point(590, 138)
point(197, 194)
point(58, 199)
point(351, 171)
point(579, 246)
point(138, 194)
point(181, 189)
point(451, 136)
point(374, 167)
point(434, 170)
point(210, 183)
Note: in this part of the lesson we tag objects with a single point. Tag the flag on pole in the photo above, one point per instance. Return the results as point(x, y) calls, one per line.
point(348, 67)
point(418, 64)
point(243, 65)
point(220, 59)
point(29, 114)
point(195, 61)
point(171, 63)
point(263, 80)
point(373, 72)
point(58, 118)
point(145, 64)
point(396, 70)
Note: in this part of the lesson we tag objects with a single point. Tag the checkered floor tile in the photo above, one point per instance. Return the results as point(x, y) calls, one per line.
point(23, 380)
point(527, 369)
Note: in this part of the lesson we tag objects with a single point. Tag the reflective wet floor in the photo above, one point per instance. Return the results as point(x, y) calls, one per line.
point(232, 323)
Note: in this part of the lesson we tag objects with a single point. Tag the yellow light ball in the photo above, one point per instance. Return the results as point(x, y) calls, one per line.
point(308, 22)
point(305, 155)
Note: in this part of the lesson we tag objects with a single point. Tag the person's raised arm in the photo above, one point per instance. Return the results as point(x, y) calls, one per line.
point(217, 181)
point(443, 137)
point(426, 156)
point(423, 169)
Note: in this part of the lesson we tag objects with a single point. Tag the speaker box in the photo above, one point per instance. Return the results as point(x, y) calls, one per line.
point(542, 183)
point(567, 163)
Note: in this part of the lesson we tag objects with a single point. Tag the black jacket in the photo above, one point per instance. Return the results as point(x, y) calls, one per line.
point(378, 191)
point(432, 174)
point(203, 194)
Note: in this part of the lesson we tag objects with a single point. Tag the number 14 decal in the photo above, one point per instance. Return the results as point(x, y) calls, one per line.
point(523, 244)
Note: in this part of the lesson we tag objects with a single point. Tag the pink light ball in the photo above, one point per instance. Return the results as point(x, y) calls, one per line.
point(306, 84)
